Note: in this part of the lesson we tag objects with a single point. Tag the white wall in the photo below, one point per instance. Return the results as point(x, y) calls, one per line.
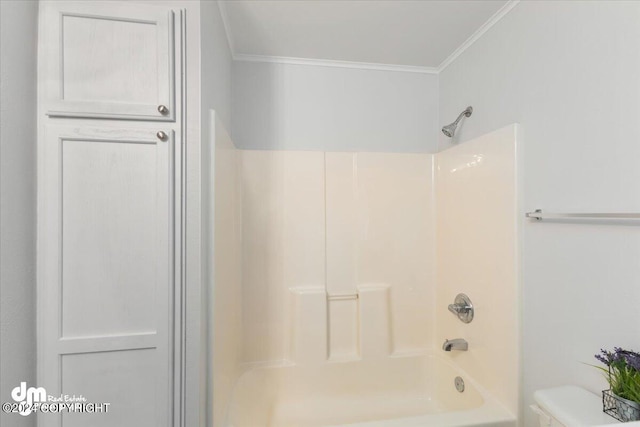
point(568, 73)
point(18, 39)
point(308, 107)
point(18, 201)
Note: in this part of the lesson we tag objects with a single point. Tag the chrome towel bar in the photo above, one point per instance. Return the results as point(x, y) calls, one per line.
point(539, 215)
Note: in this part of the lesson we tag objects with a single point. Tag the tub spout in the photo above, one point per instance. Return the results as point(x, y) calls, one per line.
point(456, 344)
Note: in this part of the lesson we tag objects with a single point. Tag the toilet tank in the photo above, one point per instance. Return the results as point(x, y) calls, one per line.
point(569, 406)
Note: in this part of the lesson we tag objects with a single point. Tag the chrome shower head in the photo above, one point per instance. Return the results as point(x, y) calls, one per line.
point(450, 130)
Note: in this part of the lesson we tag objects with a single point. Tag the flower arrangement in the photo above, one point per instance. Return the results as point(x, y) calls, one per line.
point(622, 372)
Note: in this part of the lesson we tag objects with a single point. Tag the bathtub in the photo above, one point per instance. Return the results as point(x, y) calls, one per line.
point(414, 391)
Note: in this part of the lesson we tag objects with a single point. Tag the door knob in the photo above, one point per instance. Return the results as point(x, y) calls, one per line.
point(163, 110)
point(161, 136)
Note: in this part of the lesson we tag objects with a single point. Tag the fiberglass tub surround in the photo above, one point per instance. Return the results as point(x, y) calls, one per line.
point(343, 314)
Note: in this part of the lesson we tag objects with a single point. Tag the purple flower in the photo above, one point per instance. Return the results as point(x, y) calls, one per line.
point(619, 358)
point(605, 357)
point(632, 360)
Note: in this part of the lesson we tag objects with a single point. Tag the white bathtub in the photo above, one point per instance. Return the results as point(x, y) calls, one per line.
point(392, 392)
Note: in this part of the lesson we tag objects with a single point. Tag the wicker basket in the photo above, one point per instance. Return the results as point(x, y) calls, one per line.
point(621, 409)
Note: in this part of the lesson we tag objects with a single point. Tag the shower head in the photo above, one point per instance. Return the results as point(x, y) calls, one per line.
point(450, 130)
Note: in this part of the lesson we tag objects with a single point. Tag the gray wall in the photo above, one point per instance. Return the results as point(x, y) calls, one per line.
point(17, 201)
point(216, 66)
point(310, 107)
point(568, 71)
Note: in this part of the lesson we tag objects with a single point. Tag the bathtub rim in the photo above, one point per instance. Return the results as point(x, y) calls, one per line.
point(490, 412)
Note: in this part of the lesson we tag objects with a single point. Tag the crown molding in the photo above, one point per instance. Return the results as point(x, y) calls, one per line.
point(335, 63)
point(495, 18)
point(506, 8)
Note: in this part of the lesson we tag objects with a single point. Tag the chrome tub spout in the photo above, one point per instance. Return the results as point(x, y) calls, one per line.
point(455, 344)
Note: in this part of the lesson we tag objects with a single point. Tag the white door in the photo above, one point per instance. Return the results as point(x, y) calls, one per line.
point(105, 278)
point(109, 60)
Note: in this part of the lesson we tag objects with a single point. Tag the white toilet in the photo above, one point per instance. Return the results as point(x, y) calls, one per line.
point(570, 406)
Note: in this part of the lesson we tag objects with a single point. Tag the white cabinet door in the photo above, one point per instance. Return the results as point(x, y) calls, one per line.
point(109, 60)
point(105, 273)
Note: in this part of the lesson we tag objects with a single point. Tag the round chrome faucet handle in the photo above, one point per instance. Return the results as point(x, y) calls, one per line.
point(462, 308)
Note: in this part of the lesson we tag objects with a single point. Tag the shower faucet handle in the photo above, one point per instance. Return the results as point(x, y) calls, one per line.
point(457, 308)
point(462, 308)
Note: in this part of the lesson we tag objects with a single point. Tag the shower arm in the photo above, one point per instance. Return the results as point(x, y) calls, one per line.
point(466, 113)
point(455, 122)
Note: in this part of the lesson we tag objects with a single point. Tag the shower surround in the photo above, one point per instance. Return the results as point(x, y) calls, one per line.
point(347, 264)
point(329, 238)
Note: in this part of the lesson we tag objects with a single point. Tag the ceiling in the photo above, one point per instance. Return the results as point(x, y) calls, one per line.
point(395, 32)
